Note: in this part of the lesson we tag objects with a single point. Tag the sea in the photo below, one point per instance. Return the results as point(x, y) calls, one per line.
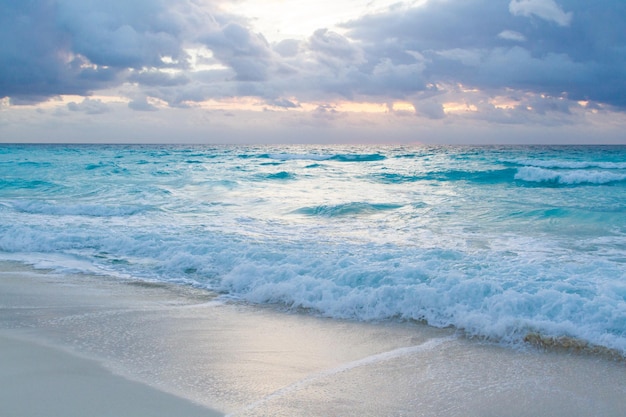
point(501, 243)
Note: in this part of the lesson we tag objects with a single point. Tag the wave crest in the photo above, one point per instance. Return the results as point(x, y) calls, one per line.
point(326, 157)
point(579, 176)
point(347, 209)
point(569, 164)
point(91, 210)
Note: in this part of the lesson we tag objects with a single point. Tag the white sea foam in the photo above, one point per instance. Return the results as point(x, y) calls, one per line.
point(535, 174)
point(96, 210)
point(296, 157)
point(482, 303)
point(562, 164)
point(489, 256)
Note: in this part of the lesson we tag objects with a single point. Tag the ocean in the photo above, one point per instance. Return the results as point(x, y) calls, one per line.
point(506, 244)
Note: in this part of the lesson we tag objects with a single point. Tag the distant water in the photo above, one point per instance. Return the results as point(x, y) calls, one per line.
point(497, 241)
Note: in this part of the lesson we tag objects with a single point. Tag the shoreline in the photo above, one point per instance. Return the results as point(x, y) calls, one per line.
point(39, 380)
point(190, 350)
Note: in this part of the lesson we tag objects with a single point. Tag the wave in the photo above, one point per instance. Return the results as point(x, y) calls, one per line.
point(282, 175)
point(393, 178)
point(488, 176)
point(359, 157)
point(113, 167)
point(328, 157)
point(441, 288)
point(569, 177)
point(485, 252)
point(91, 210)
point(21, 184)
point(33, 164)
point(568, 164)
point(487, 294)
point(297, 157)
point(347, 209)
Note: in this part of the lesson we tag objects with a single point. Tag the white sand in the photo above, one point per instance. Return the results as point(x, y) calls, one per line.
point(250, 361)
point(41, 381)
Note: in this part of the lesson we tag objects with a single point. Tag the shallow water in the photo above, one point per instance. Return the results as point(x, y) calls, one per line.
point(498, 241)
point(250, 361)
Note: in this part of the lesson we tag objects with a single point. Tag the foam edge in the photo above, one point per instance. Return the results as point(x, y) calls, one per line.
point(572, 345)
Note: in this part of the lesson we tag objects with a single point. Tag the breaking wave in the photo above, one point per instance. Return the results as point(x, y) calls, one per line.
point(568, 177)
point(347, 209)
point(90, 210)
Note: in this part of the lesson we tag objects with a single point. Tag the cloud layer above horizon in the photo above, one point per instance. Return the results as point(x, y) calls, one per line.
point(500, 61)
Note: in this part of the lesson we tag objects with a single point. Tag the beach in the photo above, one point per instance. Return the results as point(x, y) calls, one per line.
point(41, 381)
point(97, 346)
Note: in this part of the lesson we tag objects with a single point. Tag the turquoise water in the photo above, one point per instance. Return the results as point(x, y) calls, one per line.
point(497, 241)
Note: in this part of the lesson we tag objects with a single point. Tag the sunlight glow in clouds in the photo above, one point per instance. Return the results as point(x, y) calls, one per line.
point(405, 71)
point(285, 19)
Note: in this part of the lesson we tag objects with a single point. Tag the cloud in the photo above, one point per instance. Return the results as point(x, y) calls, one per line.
point(512, 35)
point(183, 52)
point(544, 9)
point(429, 108)
point(88, 106)
point(33, 67)
point(284, 103)
point(158, 78)
point(75, 47)
point(117, 33)
point(141, 104)
point(247, 53)
point(574, 49)
point(333, 49)
point(287, 47)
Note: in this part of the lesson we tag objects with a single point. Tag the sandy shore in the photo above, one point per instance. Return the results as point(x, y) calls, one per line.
point(92, 346)
point(41, 381)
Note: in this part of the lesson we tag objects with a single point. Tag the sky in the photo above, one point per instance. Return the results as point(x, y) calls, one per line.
point(340, 71)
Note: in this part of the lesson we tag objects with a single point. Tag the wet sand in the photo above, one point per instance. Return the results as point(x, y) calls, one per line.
point(37, 380)
point(106, 347)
